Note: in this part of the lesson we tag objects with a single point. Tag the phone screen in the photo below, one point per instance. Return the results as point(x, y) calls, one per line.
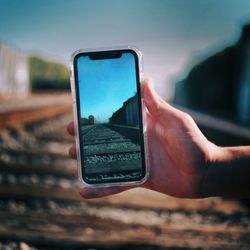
point(109, 116)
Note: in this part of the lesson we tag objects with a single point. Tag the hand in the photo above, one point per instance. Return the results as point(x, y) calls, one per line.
point(178, 152)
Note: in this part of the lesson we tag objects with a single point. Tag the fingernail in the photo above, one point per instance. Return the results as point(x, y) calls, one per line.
point(84, 193)
point(88, 193)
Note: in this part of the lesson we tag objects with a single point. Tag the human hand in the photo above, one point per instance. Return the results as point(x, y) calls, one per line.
point(178, 152)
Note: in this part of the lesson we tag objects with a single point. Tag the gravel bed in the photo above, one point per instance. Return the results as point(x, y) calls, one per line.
point(20, 158)
point(108, 139)
point(37, 179)
point(51, 126)
point(112, 157)
point(109, 146)
point(101, 131)
point(126, 215)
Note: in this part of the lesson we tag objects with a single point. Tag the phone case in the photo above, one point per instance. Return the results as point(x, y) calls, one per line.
point(75, 115)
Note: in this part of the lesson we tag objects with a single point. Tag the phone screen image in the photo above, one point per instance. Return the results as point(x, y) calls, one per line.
point(109, 117)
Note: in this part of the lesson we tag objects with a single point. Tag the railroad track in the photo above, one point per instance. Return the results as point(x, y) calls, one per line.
point(40, 205)
point(19, 118)
point(107, 151)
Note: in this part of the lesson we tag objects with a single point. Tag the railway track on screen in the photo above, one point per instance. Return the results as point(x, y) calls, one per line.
point(107, 151)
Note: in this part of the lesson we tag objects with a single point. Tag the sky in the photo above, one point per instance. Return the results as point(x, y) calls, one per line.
point(105, 84)
point(173, 35)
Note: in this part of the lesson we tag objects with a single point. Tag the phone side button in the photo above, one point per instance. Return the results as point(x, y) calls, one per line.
point(73, 95)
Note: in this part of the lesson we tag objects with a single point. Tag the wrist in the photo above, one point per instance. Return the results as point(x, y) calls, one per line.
point(227, 174)
point(213, 181)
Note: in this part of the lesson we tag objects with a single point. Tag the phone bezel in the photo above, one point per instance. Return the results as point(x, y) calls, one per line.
point(142, 131)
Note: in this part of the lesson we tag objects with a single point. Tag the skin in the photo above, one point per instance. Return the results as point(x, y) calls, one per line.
point(182, 162)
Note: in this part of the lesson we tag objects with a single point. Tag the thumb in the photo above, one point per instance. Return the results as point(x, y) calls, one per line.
point(157, 107)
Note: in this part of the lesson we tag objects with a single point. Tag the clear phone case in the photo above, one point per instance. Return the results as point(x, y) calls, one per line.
point(75, 114)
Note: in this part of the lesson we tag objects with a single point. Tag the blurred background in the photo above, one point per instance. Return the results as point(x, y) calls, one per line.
point(198, 56)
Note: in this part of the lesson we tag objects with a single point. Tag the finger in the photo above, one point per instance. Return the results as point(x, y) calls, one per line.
point(90, 193)
point(150, 121)
point(71, 128)
point(158, 108)
point(72, 152)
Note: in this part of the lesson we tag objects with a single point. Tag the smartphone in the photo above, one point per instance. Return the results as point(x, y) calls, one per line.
point(108, 112)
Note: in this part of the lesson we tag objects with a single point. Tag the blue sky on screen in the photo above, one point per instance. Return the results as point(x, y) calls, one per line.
point(105, 84)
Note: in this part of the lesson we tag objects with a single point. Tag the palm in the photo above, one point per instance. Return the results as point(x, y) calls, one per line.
point(176, 157)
